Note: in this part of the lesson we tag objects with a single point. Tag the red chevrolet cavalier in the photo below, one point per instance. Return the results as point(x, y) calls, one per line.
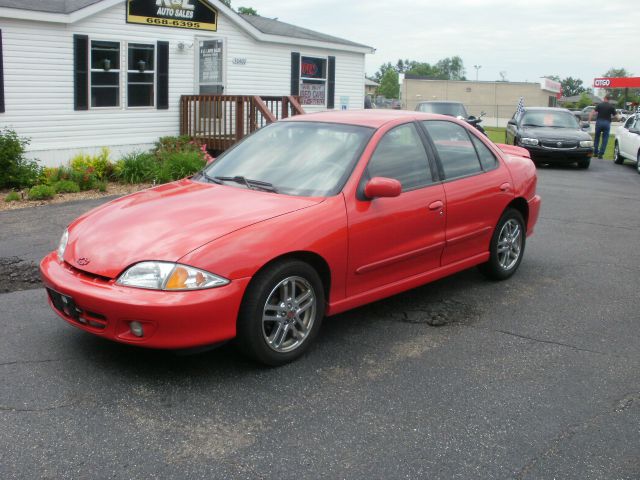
point(305, 218)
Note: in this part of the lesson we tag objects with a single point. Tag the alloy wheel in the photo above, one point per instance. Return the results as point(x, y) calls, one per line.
point(289, 314)
point(509, 244)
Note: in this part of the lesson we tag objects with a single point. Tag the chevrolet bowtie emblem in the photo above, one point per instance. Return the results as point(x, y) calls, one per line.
point(83, 261)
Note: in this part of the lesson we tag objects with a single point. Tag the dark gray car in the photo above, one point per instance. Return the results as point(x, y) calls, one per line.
point(552, 135)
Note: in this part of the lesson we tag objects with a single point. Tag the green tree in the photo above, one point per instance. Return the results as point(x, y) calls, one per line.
point(389, 84)
point(247, 11)
point(618, 94)
point(585, 101)
point(382, 70)
point(451, 68)
point(227, 3)
point(572, 86)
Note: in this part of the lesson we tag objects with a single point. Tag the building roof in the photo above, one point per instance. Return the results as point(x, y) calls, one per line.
point(50, 6)
point(370, 83)
point(275, 27)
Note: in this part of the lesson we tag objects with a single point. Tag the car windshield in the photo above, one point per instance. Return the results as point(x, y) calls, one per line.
point(293, 158)
point(451, 109)
point(549, 118)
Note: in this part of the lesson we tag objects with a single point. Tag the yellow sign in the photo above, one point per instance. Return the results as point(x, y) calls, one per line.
point(192, 14)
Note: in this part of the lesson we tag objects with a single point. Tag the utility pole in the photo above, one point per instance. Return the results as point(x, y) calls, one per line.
point(477, 67)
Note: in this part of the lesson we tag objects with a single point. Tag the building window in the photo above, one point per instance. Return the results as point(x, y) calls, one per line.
point(141, 71)
point(313, 81)
point(105, 74)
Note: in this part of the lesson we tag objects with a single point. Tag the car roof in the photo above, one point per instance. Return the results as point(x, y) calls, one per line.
point(545, 109)
point(440, 101)
point(374, 118)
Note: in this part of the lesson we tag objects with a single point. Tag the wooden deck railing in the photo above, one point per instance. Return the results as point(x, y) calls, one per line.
point(219, 121)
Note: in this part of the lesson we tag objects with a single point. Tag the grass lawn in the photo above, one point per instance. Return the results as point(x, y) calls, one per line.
point(496, 134)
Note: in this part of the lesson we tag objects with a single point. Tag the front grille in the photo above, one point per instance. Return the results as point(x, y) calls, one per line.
point(66, 306)
point(559, 144)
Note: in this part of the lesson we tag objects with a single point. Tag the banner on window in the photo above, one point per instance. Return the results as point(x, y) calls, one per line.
point(312, 93)
point(192, 14)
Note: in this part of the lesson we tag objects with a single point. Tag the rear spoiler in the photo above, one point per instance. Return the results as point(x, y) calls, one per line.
point(513, 150)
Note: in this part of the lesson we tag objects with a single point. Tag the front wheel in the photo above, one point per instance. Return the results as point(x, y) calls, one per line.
point(281, 312)
point(584, 162)
point(617, 158)
point(507, 246)
point(638, 162)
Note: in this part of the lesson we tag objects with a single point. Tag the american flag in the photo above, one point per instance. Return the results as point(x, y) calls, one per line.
point(520, 107)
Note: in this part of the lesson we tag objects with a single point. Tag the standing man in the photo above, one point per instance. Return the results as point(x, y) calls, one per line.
point(603, 125)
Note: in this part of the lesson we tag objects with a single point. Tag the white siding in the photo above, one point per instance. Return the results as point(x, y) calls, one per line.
point(38, 66)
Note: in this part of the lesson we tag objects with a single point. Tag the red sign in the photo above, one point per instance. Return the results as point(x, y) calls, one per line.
point(617, 82)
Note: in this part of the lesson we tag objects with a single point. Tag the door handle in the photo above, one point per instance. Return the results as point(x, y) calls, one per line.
point(437, 205)
point(505, 187)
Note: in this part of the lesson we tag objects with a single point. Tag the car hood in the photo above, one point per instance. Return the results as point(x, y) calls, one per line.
point(555, 133)
point(167, 222)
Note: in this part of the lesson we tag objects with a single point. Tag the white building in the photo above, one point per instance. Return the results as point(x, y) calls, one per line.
point(77, 75)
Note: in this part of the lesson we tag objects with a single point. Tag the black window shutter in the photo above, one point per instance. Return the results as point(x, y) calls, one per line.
point(295, 73)
point(331, 80)
point(163, 76)
point(81, 72)
point(1, 77)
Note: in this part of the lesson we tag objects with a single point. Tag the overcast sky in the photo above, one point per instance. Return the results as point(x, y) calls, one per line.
point(524, 39)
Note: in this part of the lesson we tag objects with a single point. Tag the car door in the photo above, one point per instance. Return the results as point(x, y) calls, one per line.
point(633, 143)
point(624, 138)
point(478, 187)
point(391, 239)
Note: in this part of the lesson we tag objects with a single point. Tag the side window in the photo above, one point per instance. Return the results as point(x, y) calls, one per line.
point(105, 74)
point(637, 124)
point(487, 158)
point(456, 152)
point(401, 155)
point(629, 122)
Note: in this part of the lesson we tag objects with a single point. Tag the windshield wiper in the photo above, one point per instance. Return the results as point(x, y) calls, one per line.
point(531, 125)
point(251, 184)
point(211, 179)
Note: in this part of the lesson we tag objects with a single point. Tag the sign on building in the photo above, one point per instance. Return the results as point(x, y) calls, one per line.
point(192, 14)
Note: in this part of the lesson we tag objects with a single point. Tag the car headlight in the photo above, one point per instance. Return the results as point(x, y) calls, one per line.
point(586, 143)
point(62, 246)
point(169, 276)
point(531, 142)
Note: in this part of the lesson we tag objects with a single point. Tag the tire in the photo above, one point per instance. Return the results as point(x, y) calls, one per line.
point(638, 162)
point(617, 158)
point(510, 235)
point(584, 163)
point(281, 312)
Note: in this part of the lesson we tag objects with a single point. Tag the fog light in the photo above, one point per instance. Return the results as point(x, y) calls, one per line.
point(136, 329)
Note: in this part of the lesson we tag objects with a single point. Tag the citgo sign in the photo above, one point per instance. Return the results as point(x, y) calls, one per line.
point(617, 82)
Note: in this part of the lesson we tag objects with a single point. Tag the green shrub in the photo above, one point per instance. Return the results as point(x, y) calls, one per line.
point(97, 165)
point(41, 192)
point(137, 167)
point(101, 185)
point(178, 165)
point(86, 180)
point(174, 144)
point(66, 186)
point(16, 171)
point(13, 197)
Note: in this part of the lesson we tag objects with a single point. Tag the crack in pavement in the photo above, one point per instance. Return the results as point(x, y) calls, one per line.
point(570, 431)
point(552, 342)
point(26, 362)
point(8, 408)
point(575, 222)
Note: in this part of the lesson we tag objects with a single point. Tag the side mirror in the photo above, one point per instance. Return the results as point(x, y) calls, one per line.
point(379, 187)
point(511, 122)
point(585, 125)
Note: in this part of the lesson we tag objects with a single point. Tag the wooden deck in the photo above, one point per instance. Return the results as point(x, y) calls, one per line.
point(219, 121)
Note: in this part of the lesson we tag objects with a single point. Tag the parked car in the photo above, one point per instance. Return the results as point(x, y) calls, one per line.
point(307, 217)
point(584, 114)
point(452, 109)
point(552, 135)
point(627, 143)
point(622, 115)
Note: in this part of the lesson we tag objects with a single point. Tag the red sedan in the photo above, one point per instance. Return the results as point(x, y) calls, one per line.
point(307, 217)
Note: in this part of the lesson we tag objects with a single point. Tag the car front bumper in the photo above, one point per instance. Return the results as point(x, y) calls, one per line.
point(558, 155)
point(170, 320)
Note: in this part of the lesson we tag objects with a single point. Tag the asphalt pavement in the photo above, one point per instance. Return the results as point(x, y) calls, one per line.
point(533, 378)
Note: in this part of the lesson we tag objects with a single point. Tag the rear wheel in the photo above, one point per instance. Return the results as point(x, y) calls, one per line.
point(638, 162)
point(584, 162)
point(281, 312)
point(507, 246)
point(617, 158)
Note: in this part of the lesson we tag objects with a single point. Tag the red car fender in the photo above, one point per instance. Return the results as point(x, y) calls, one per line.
point(320, 230)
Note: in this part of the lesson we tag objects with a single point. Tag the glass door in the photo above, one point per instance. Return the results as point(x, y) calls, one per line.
point(210, 67)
